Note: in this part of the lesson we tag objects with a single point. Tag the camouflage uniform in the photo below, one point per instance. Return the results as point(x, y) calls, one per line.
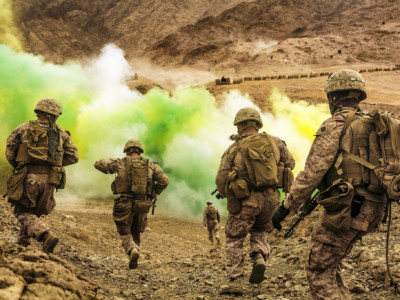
point(38, 196)
point(130, 224)
point(211, 219)
point(256, 210)
point(328, 248)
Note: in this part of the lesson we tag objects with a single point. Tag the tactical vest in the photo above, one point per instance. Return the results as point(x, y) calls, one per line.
point(362, 142)
point(211, 213)
point(41, 146)
point(260, 155)
point(134, 177)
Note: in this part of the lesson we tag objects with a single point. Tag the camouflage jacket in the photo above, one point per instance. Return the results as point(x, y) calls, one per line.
point(210, 214)
point(232, 158)
point(70, 155)
point(116, 165)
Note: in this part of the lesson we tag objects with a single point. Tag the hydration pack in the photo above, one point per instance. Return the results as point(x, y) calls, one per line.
point(259, 157)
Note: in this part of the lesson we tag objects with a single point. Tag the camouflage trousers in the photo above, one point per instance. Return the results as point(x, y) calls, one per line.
point(129, 223)
point(324, 264)
point(37, 200)
point(212, 227)
point(255, 218)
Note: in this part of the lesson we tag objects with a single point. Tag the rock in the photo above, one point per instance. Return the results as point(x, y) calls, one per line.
point(209, 282)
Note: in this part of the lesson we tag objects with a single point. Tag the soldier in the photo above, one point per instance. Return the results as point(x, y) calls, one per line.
point(138, 182)
point(331, 168)
point(39, 149)
point(211, 219)
point(247, 176)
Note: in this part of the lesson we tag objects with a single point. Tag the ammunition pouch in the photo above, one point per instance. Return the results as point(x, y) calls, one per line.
point(57, 177)
point(234, 205)
point(120, 185)
point(239, 188)
point(337, 201)
point(285, 178)
point(141, 206)
point(15, 184)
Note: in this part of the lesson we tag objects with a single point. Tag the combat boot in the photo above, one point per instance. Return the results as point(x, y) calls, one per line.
point(24, 240)
point(257, 274)
point(233, 287)
point(133, 258)
point(49, 242)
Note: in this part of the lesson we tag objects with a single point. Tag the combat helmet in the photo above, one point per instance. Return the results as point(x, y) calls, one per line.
point(248, 114)
point(345, 80)
point(209, 201)
point(133, 144)
point(49, 105)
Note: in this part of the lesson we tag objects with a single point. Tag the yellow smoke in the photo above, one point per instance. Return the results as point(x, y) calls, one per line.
point(295, 123)
point(8, 31)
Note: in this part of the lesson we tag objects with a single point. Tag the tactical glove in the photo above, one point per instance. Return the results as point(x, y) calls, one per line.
point(279, 215)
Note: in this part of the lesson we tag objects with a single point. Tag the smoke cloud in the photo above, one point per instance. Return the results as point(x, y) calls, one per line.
point(184, 130)
point(8, 31)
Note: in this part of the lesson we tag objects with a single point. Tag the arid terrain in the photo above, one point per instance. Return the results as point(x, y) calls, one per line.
point(217, 38)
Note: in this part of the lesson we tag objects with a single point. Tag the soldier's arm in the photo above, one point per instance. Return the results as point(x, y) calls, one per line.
point(13, 143)
point(70, 151)
point(320, 158)
point(205, 217)
point(286, 156)
point(224, 168)
point(160, 178)
point(107, 166)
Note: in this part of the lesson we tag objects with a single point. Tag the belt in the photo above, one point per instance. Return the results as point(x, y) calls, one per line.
point(38, 169)
point(133, 196)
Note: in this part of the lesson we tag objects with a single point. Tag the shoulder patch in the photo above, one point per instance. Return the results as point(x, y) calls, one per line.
point(323, 129)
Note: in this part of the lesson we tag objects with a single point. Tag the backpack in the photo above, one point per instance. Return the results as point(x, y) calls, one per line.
point(387, 141)
point(138, 175)
point(259, 157)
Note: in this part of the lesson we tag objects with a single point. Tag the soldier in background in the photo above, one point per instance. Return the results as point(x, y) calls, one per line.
point(211, 219)
point(38, 150)
point(347, 186)
point(138, 182)
point(251, 202)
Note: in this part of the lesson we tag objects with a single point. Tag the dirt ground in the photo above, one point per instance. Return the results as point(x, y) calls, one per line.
point(178, 262)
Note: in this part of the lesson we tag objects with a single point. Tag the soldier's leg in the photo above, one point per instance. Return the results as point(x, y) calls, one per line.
point(30, 225)
point(210, 231)
point(123, 219)
point(263, 224)
point(216, 233)
point(236, 230)
point(138, 226)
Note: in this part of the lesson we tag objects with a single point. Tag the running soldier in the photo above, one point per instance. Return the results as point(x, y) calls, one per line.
point(138, 183)
point(38, 151)
point(211, 219)
point(248, 177)
point(351, 194)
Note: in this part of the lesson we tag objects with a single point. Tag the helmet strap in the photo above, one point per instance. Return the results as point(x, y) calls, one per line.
point(248, 124)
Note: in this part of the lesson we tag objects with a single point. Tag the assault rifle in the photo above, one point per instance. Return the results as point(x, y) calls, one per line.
point(218, 195)
point(304, 210)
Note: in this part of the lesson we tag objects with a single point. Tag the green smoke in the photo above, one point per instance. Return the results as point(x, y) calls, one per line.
point(101, 117)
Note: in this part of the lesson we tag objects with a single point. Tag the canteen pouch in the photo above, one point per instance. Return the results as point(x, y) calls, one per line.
point(239, 188)
point(15, 184)
point(234, 205)
point(141, 206)
point(57, 177)
point(337, 201)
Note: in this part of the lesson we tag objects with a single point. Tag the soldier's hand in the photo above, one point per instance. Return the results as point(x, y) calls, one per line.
point(279, 215)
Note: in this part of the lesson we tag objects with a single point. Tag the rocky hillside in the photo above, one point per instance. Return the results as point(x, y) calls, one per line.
point(71, 29)
point(233, 35)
